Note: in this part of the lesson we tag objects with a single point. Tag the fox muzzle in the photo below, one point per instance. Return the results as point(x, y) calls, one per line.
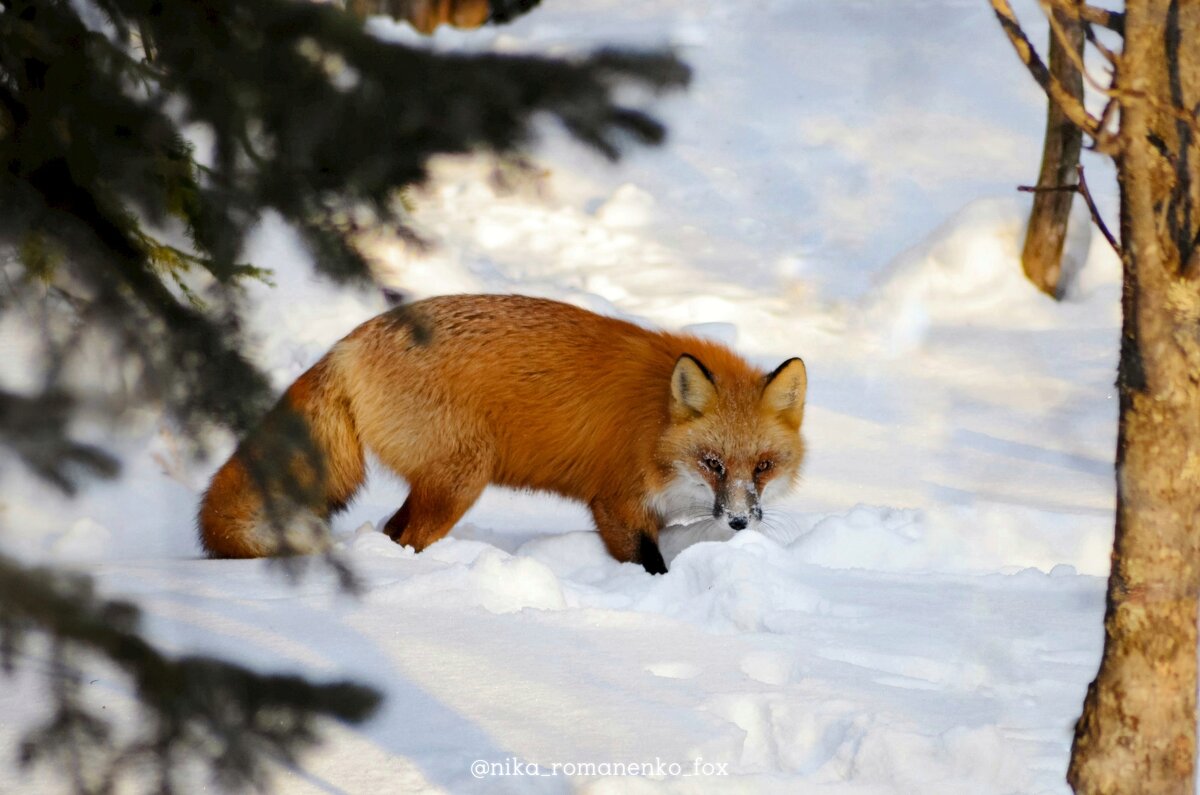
point(739, 505)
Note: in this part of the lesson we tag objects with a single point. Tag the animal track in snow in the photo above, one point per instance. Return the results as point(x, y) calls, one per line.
point(674, 670)
point(768, 667)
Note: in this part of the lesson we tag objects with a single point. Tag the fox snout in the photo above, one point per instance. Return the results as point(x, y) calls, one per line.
point(739, 506)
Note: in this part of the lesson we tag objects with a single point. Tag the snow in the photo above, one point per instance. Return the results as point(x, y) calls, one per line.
point(921, 615)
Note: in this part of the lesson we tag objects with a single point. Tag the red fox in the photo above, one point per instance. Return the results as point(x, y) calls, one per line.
point(461, 391)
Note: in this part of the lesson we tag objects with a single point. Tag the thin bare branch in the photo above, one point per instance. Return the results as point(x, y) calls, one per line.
point(1087, 197)
point(1106, 115)
point(1072, 108)
point(1049, 7)
point(1112, 20)
point(1108, 142)
point(1081, 188)
point(1094, 40)
point(1048, 188)
point(1077, 9)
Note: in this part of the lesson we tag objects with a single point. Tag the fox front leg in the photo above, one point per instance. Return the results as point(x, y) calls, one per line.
point(630, 533)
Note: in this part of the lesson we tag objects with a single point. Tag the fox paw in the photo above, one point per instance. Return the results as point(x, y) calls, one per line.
point(650, 557)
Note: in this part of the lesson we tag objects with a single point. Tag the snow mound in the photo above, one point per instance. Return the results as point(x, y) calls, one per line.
point(629, 206)
point(868, 538)
point(961, 538)
point(967, 272)
point(471, 573)
point(741, 585)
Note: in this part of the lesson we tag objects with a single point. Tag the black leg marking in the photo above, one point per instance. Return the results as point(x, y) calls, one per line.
point(649, 556)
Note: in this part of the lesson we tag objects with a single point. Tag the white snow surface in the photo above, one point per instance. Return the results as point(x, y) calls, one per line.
point(922, 614)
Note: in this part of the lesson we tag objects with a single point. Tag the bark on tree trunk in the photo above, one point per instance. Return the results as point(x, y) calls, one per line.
point(1137, 733)
point(1042, 256)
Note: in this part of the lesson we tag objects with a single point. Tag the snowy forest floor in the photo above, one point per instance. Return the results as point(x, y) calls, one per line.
point(923, 614)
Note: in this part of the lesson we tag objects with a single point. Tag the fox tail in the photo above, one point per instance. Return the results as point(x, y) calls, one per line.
point(302, 463)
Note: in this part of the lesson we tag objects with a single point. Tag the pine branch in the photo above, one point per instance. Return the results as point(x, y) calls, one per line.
point(311, 117)
point(293, 139)
point(35, 428)
point(196, 708)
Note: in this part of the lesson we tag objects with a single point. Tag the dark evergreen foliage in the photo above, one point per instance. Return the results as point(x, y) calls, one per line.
point(111, 221)
point(195, 708)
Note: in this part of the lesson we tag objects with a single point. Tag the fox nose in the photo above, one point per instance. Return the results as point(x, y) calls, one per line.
point(738, 522)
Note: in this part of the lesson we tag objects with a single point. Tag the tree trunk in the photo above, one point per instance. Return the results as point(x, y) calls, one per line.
point(1137, 733)
point(1042, 256)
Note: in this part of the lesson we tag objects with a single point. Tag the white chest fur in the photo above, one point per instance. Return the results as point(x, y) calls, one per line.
point(686, 498)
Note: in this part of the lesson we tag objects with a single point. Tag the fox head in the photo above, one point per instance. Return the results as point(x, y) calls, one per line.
point(733, 439)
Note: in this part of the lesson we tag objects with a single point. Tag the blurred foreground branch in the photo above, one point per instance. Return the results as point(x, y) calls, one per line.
point(194, 708)
point(141, 142)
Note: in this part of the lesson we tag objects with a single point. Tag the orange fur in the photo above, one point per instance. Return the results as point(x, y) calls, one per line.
point(305, 455)
point(457, 392)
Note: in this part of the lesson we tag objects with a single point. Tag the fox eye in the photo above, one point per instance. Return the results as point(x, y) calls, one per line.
point(764, 466)
point(713, 464)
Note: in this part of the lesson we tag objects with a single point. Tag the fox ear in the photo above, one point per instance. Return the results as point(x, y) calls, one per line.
point(784, 389)
point(692, 388)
